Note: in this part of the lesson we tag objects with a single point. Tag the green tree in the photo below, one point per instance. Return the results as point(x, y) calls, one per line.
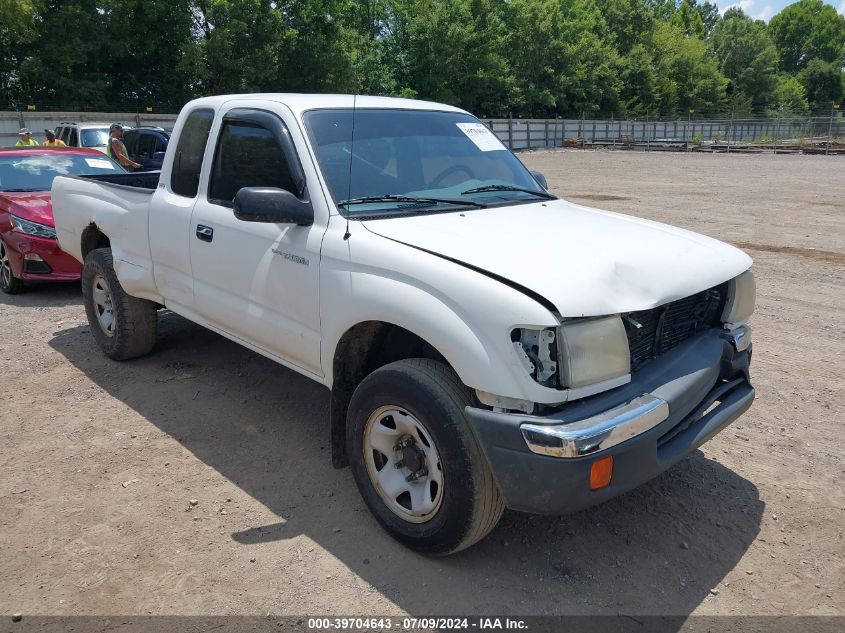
point(152, 56)
point(17, 30)
point(565, 59)
point(639, 95)
point(66, 63)
point(746, 55)
point(630, 21)
point(687, 75)
point(808, 29)
point(240, 44)
point(688, 19)
point(455, 52)
point(788, 96)
point(822, 83)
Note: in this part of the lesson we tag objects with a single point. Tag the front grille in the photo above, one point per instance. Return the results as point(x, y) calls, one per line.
point(656, 331)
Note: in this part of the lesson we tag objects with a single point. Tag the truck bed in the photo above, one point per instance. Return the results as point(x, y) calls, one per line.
point(116, 206)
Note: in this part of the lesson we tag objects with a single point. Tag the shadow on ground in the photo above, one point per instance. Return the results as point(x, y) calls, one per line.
point(45, 295)
point(657, 550)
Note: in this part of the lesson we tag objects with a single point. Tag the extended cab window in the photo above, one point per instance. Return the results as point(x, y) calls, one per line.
point(187, 162)
point(248, 155)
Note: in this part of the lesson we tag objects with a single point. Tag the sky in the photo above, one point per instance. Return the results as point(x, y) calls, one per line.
point(765, 9)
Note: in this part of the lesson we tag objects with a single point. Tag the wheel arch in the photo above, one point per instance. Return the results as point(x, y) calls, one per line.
point(92, 237)
point(363, 348)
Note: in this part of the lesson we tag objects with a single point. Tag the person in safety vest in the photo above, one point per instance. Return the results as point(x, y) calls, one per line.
point(52, 141)
point(117, 150)
point(26, 138)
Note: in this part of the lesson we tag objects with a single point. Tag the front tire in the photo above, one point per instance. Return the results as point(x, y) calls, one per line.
point(415, 460)
point(123, 326)
point(9, 284)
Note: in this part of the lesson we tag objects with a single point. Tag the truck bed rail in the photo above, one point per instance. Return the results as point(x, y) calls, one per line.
point(141, 180)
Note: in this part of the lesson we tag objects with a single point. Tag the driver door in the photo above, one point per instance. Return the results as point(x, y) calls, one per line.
point(257, 281)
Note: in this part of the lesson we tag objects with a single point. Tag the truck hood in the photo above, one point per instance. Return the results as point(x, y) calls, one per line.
point(33, 206)
point(586, 262)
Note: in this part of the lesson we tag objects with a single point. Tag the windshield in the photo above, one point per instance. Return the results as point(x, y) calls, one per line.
point(95, 137)
point(36, 173)
point(404, 161)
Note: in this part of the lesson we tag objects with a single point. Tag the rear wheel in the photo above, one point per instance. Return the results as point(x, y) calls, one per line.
point(415, 460)
point(123, 326)
point(9, 284)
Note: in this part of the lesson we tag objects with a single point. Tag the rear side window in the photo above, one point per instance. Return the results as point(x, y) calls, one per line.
point(248, 155)
point(63, 134)
point(187, 163)
point(74, 138)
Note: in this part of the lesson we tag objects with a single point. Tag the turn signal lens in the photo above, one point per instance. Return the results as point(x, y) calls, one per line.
point(601, 472)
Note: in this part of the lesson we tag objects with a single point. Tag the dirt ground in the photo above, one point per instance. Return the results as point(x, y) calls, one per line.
point(101, 459)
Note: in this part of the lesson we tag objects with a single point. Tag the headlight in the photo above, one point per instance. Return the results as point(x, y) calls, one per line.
point(19, 225)
point(592, 351)
point(742, 291)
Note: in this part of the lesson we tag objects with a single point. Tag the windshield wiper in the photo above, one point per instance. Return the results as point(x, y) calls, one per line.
point(482, 189)
point(399, 198)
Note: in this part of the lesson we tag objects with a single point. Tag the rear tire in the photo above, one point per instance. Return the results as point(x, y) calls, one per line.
point(123, 326)
point(9, 284)
point(456, 502)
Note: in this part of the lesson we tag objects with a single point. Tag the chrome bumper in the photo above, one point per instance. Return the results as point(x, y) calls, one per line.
point(599, 432)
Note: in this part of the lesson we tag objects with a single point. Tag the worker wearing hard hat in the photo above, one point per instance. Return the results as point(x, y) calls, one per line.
point(26, 138)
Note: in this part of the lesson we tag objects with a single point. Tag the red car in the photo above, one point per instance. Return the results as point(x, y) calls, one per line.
point(28, 247)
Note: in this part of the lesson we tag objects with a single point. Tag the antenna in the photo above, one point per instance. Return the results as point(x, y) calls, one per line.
point(347, 235)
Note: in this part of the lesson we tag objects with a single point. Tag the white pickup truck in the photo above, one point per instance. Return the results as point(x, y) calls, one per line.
point(487, 344)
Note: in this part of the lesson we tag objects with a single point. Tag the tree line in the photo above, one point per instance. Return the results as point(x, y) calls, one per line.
point(538, 58)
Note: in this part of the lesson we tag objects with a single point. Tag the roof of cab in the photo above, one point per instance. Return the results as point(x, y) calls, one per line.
point(300, 103)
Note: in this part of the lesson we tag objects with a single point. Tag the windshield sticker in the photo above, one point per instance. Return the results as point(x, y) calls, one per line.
point(482, 137)
point(99, 163)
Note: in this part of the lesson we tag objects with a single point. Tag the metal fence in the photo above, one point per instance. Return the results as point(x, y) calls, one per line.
point(796, 134)
point(825, 134)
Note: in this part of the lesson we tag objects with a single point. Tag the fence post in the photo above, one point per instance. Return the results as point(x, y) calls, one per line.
point(647, 135)
point(510, 130)
point(830, 129)
point(612, 131)
point(546, 121)
point(730, 130)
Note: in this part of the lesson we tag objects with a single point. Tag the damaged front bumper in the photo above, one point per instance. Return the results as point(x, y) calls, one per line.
point(672, 405)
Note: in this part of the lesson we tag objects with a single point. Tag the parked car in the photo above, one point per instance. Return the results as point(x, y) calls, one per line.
point(146, 145)
point(91, 135)
point(486, 343)
point(28, 248)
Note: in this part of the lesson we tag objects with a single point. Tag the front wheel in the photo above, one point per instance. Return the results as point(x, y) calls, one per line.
point(415, 460)
point(9, 284)
point(123, 326)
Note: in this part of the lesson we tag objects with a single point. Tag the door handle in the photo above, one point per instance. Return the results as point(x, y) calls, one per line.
point(205, 233)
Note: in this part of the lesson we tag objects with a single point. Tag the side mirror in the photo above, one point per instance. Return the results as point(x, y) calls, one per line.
point(158, 155)
point(269, 204)
point(541, 179)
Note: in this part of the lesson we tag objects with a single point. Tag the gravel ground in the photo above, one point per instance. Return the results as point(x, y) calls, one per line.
point(100, 459)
